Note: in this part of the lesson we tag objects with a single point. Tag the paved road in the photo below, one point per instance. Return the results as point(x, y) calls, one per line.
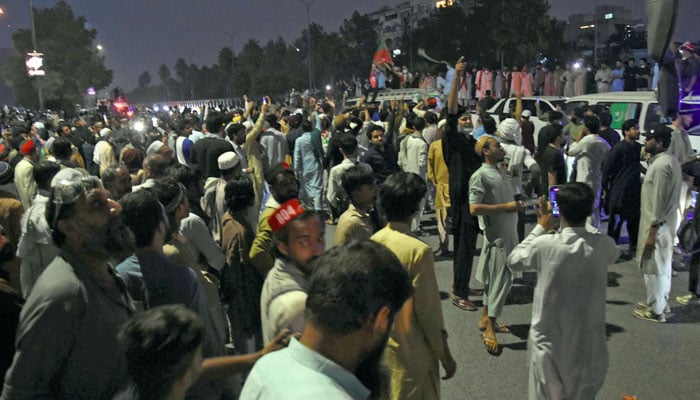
point(650, 360)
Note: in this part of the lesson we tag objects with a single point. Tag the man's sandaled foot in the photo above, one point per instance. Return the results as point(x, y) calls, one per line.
point(464, 304)
point(491, 344)
point(497, 328)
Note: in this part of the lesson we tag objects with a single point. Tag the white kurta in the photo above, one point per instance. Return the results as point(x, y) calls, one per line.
point(567, 342)
point(590, 152)
point(660, 196)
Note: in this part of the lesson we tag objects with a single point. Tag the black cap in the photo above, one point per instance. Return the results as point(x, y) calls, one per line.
point(662, 133)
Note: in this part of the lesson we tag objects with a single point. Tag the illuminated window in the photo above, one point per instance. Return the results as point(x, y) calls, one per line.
point(609, 16)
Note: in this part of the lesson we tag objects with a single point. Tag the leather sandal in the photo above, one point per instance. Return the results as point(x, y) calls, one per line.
point(491, 345)
point(464, 304)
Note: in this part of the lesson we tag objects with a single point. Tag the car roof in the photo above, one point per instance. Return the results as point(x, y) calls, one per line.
point(616, 96)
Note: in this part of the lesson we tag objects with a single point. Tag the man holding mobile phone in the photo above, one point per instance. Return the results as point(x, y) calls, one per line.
point(567, 341)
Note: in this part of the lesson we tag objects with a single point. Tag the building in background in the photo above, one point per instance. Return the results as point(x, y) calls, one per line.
point(620, 32)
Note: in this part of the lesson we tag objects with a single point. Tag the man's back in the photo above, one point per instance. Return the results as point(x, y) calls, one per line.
point(67, 338)
point(205, 153)
point(275, 145)
point(299, 373)
point(569, 355)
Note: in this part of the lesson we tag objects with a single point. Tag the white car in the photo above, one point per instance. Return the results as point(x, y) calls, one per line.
point(505, 106)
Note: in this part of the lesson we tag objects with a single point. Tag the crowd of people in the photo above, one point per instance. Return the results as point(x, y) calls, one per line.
point(137, 259)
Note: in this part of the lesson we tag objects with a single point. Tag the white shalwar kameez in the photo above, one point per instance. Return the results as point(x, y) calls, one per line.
point(567, 342)
point(661, 191)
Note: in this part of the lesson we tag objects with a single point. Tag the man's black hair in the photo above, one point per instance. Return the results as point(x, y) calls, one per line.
point(160, 344)
point(418, 123)
point(239, 193)
point(352, 283)
point(431, 118)
point(629, 124)
point(348, 143)
point(605, 118)
point(374, 127)
point(575, 201)
point(592, 123)
point(233, 129)
point(61, 148)
point(400, 195)
point(110, 173)
point(353, 178)
point(142, 212)
point(43, 172)
point(186, 174)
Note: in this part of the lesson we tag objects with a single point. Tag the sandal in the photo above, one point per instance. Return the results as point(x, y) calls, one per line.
point(498, 328)
point(464, 304)
point(491, 345)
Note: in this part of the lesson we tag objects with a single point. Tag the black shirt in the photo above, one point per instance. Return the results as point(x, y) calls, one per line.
point(621, 171)
point(551, 161)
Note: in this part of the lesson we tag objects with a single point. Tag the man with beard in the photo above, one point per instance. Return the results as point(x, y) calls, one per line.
point(419, 340)
point(661, 190)
point(462, 161)
point(66, 340)
point(491, 198)
point(339, 352)
point(299, 239)
point(117, 180)
point(283, 186)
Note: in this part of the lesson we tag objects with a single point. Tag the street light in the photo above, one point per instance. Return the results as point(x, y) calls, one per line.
point(99, 47)
point(31, 15)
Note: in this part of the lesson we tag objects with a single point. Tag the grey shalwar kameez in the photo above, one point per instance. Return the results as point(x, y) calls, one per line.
point(490, 185)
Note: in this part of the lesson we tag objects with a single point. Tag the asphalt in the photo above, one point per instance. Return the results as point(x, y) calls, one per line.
point(653, 361)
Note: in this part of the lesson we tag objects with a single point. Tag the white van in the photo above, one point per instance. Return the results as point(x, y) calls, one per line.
point(642, 106)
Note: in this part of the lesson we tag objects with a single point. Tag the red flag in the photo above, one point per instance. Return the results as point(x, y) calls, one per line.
point(382, 55)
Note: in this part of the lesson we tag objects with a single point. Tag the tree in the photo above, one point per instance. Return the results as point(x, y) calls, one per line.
point(165, 80)
point(144, 80)
point(360, 35)
point(226, 68)
point(247, 73)
point(71, 61)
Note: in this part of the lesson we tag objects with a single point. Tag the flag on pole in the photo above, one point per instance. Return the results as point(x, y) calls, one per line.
point(382, 55)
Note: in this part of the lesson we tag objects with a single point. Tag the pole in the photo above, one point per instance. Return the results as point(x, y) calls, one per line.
point(38, 87)
point(595, 34)
point(308, 4)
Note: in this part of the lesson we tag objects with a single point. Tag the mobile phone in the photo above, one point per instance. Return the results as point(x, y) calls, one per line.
point(264, 100)
point(553, 190)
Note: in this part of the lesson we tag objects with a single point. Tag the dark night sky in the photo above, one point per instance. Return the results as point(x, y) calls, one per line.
point(139, 35)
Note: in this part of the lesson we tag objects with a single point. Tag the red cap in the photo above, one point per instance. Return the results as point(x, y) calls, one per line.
point(27, 147)
point(285, 214)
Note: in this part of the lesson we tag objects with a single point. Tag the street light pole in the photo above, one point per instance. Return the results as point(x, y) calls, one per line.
point(308, 4)
point(31, 18)
point(595, 33)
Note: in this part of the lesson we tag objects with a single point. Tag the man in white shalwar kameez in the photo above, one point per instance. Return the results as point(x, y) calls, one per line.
point(567, 342)
point(661, 190)
point(491, 198)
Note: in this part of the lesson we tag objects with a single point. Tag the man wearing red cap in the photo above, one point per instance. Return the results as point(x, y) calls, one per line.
point(299, 240)
point(283, 186)
point(24, 173)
